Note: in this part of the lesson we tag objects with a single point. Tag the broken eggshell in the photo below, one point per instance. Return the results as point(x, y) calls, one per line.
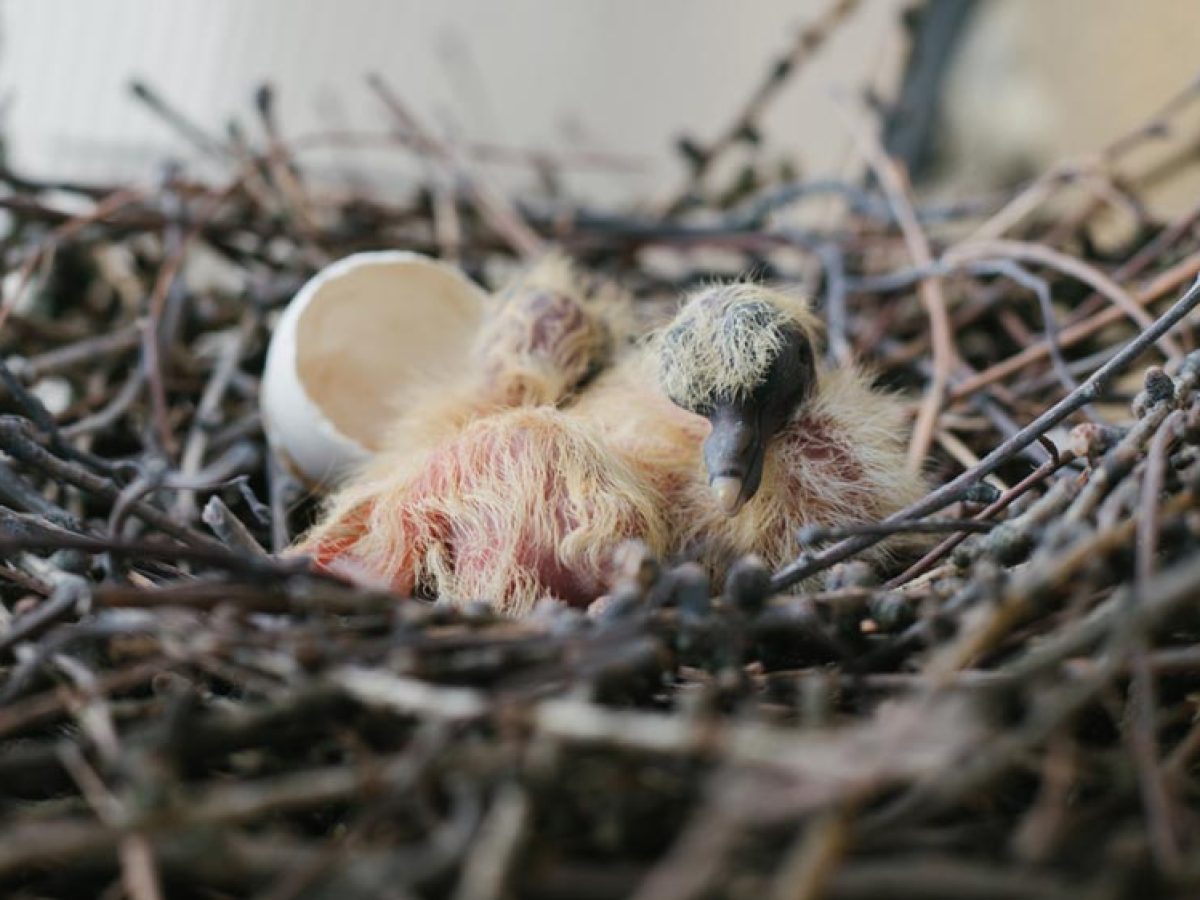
point(351, 341)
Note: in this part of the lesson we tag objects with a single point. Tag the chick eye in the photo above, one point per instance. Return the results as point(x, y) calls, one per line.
point(784, 395)
point(766, 389)
point(790, 379)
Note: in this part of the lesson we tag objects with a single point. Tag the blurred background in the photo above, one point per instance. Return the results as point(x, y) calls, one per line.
point(996, 90)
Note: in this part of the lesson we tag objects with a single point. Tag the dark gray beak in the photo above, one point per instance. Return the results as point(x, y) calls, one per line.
point(733, 455)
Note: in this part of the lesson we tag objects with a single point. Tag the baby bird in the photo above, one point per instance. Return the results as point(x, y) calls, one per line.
point(791, 442)
point(720, 435)
point(487, 489)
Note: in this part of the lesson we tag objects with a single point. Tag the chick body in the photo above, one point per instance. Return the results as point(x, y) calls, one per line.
point(492, 487)
point(521, 482)
point(839, 460)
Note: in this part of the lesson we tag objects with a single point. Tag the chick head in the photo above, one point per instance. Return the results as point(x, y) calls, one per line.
point(743, 356)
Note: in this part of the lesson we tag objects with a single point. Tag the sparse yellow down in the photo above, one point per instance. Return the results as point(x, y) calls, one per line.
point(561, 442)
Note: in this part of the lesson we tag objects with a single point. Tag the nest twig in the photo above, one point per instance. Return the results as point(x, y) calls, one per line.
point(1010, 715)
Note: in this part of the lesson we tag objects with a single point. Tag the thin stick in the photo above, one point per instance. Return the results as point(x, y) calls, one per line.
point(1073, 334)
point(933, 299)
point(1087, 392)
point(1048, 256)
point(492, 205)
point(1142, 726)
point(103, 209)
point(808, 41)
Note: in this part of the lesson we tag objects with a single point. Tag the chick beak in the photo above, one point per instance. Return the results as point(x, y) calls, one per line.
point(728, 491)
point(733, 457)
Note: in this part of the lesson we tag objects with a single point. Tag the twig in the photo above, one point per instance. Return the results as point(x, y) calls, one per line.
point(933, 299)
point(947, 493)
point(745, 124)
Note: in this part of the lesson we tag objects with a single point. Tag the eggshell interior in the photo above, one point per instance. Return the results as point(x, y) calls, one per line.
point(350, 342)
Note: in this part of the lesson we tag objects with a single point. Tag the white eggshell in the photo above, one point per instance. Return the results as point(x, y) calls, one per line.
point(348, 344)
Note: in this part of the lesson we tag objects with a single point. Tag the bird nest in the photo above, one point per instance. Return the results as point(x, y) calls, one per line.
point(1011, 714)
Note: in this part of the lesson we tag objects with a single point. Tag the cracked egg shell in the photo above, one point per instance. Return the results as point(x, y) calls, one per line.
point(352, 339)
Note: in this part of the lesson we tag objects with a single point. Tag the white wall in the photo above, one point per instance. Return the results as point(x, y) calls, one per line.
point(622, 75)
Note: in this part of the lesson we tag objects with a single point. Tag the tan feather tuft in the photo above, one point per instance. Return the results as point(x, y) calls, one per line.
point(721, 344)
